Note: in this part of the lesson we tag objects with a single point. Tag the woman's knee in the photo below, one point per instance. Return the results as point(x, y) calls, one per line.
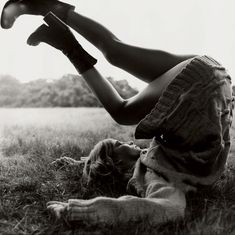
point(112, 52)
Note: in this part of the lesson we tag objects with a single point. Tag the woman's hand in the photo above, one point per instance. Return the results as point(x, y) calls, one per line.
point(94, 211)
point(58, 209)
point(64, 162)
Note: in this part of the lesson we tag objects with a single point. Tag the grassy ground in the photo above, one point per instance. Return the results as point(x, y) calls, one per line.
point(31, 138)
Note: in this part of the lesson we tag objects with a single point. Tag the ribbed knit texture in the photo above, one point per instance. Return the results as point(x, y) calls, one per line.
point(190, 125)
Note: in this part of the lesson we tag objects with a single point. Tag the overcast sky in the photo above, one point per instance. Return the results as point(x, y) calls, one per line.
point(177, 26)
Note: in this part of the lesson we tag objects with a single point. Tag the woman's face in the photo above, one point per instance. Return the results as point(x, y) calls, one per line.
point(127, 152)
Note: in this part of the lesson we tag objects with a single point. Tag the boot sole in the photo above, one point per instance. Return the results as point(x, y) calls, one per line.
point(4, 26)
point(2, 14)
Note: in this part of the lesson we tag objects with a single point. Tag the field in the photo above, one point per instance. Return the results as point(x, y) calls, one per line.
point(31, 139)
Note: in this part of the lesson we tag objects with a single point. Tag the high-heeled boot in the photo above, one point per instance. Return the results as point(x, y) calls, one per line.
point(57, 34)
point(15, 8)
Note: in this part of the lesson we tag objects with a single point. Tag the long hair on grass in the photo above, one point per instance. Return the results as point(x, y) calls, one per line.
point(101, 166)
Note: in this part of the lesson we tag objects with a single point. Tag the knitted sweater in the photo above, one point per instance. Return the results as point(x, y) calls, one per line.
point(190, 127)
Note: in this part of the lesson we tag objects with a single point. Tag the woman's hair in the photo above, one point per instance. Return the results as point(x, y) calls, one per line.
point(101, 166)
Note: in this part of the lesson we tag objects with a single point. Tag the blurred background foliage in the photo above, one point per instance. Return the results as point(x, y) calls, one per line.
point(68, 91)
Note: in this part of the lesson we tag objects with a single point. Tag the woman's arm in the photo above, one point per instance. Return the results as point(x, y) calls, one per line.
point(113, 211)
point(162, 202)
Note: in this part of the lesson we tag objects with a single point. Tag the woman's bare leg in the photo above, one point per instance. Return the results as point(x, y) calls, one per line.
point(124, 111)
point(145, 64)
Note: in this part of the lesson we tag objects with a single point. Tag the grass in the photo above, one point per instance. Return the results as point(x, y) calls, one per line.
point(32, 138)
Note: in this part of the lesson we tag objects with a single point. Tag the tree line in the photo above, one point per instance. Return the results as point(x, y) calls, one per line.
point(68, 91)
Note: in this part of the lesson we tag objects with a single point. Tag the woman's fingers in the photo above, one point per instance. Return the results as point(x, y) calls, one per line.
point(57, 208)
point(63, 162)
point(56, 202)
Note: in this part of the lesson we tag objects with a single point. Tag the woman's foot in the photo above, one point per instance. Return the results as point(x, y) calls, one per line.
point(57, 34)
point(15, 8)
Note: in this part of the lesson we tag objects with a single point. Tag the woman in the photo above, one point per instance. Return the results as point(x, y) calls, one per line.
point(186, 108)
point(114, 161)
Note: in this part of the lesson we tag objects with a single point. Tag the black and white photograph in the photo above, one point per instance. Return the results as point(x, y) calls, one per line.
point(116, 117)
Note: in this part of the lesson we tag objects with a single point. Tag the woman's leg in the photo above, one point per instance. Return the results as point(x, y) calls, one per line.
point(145, 64)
